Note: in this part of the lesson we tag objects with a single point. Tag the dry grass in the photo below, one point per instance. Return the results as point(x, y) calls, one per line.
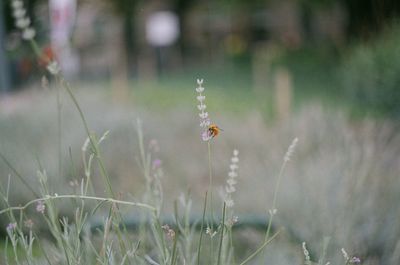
point(342, 182)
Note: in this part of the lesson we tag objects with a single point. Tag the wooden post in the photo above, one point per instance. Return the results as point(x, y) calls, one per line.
point(283, 93)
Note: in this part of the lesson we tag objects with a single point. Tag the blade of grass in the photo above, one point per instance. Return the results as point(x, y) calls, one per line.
point(48, 197)
point(59, 131)
point(5, 160)
point(202, 229)
point(260, 248)
point(324, 250)
point(222, 234)
point(174, 249)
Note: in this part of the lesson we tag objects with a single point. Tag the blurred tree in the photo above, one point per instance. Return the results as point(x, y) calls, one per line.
point(366, 18)
point(181, 7)
point(4, 65)
point(126, 9)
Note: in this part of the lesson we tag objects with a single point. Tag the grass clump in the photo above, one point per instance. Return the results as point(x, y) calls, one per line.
point(155, 242)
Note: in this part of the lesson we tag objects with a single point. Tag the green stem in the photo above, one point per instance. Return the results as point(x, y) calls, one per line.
point(92, 141)
point(201, 230)
point(137, 204)
point(260, 248)
point(222, 234)
point(36, 49)
point(231, 246)
point(174, 249)
point(210, 187)
point(5, 160)
point(59, 130)
point(277, 184)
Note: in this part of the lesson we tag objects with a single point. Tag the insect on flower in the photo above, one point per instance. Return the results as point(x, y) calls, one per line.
point(213, 130)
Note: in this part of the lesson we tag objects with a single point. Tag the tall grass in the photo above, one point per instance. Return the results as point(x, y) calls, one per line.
point(75, 245)
point(342, 184)
point(71, 240)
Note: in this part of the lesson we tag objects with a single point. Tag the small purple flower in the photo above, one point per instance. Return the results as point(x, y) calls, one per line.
point(40, 207)
point(205, 136)
point(11, 226)
point(156, 163)
point(355, 260)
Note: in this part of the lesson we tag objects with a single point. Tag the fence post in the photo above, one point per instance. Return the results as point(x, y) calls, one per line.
point(283, 93)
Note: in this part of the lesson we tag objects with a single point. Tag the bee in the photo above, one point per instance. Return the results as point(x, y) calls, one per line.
point(213, 130)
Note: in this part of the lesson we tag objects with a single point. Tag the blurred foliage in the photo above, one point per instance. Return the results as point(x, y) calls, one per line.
point(314, 72)
point(371, 74)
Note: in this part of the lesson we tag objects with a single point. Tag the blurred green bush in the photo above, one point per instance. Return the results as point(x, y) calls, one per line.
point(371, 74)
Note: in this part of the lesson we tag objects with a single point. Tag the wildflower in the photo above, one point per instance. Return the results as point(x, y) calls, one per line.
point(53, 68)
point(290, 150)
point(28, 33)
point(231, 181)
point(347, 258)
point(210, 232)
point(19, 13)
point(156, 163)
point(204, 119)
point(40, 207)
point(232, 221)
point(28, 223)
point(74, 183)
point(345, 255)
point(306, 253)
point(355, 260)
point(205, 136)
point(11, 226)
point(22, 22)
point(273, 211)
point(170, 232)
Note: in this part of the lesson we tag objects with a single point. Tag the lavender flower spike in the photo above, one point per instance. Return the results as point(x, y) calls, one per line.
point(204, 119)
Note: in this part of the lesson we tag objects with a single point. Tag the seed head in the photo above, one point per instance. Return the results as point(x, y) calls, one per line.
point(306, 253)
point(40, 207)
point(231, 181)
point(290, 150)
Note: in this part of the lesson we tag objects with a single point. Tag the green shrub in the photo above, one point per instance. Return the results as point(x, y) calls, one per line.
point(371, 75)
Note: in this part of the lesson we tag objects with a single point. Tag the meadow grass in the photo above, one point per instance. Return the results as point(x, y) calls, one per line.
point(339, 157)
point(99, 251)
point(337, 185)
point(72, 241)
point(67, 236)
point(300, 123)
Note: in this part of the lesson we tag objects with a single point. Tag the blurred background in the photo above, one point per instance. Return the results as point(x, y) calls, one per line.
point(327, 72)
